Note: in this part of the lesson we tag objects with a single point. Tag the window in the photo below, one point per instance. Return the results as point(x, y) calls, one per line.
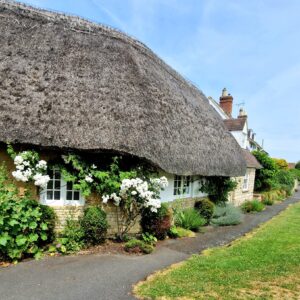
point(246, 182)
point(59, 193)
point(182, 185)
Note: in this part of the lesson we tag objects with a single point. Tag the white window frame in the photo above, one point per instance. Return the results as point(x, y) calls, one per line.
point(184, 189)
point(245, 182)
point(63, 196)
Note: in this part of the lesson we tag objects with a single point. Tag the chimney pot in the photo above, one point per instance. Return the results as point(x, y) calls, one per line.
point(226, 101)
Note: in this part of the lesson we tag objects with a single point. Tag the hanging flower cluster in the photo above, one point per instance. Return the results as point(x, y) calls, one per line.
point(29, 167)
point(141, 192)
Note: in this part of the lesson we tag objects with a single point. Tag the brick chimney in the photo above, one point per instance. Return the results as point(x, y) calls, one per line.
point(226, 102)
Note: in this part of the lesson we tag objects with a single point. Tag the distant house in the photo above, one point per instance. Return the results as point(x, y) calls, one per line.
point(67, 84)
point(238, 127)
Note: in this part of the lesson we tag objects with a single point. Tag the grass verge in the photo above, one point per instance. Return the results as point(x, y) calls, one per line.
point(264, 264)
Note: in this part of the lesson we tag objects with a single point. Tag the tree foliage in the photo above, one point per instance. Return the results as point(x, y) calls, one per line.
point(281, 163)
point(265, 177)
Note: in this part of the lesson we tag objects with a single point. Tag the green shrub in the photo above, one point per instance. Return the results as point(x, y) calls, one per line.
point(24, 230)
point(252, 206)
point(295, 173)
point(267, 201)
point(217, 188)
point(49, 217)
point(173, 232)
point(205, 208)
point(297, 166)
point(94, 225)
point(137, 246)
point(265, 177)
point(179, 232)
point(286, 180)
point(226, 215)
point(157, 224)
point(71, 239)
point(189, 219)
point(149, 238)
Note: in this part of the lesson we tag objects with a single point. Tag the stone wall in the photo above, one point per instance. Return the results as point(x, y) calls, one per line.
point(239, 196)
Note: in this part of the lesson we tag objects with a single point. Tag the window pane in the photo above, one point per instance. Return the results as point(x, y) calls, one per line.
point(57, 174)
point(76, 195)
point(57, 195)
point(49, 195)
point(57, 184)
point(69, 186)
point(69, 196)
point(50, 185)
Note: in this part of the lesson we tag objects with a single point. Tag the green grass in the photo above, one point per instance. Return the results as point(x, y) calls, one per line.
point(265, 264)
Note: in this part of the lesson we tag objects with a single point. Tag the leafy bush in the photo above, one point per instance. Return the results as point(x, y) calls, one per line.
point(268, 201)
point(48, 217)
point(225, 215)
point(157, 223)
point(71, 239)
point(138, 246)
point(264, 178)
point(24, 229)
point(189, 219)
point(205, 208)
point(217, 188)
point(285, 180)
point(149, 238)
point(94, 225)
point(179, 232)
point(274, 195)
point(297, 166)
point(281, 163)
point(295, 173)
point(252, 206)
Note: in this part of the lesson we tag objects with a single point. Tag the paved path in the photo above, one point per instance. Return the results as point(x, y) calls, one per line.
point(112, 276)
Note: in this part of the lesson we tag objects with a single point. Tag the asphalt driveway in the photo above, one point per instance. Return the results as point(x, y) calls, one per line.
point(112, 276)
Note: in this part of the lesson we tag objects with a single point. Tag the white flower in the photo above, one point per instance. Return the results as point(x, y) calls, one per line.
point(164, 182)
point(18, 160)
point(20, 167)
point(94, 166)
point(26, 163)
point(19, 176)
point(42, 164)
point(89, 179)
point(41, 180)
point(105, 198)
point(133, 193)
point(27, 172)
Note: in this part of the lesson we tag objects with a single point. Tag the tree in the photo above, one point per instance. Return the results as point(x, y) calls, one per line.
point(281, 163)
point(265, 177)
point(297, 166)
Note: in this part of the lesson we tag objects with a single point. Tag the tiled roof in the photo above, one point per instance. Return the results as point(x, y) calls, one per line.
point(251, 160)
point(235, 124)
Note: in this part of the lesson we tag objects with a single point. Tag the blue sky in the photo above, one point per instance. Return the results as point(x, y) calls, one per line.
point(250, 47)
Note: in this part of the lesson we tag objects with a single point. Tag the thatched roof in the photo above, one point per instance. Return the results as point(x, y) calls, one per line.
point(251, 160)
point(69, 83)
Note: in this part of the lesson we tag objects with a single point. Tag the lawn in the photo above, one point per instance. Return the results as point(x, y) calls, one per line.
point(265, 264)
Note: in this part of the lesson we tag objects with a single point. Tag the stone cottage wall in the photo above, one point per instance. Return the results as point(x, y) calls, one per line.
point(238, 196)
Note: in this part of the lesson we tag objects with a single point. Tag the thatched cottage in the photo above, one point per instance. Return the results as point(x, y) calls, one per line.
point(67, 83)
point(239, 129)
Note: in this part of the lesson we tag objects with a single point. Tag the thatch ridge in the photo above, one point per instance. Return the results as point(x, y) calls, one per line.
point(70, 83)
